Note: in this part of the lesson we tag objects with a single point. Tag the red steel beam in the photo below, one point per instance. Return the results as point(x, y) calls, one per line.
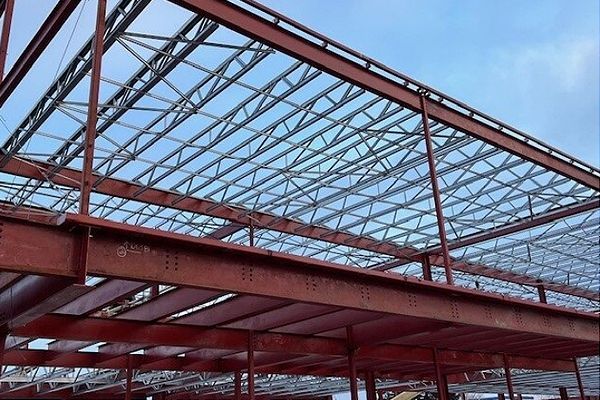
point(33, 296)
point(352, 376)
point(114, 187)
point(579, 381)
point(50, 27)
point(508, 375)
point(130, 252)
point(121, 331)
point(370, 386)
point(439, 212)
point(7, 8)
point(442, 389)
point(268, 32)
point(92, 111)
point(251, 347)
point(129, 375)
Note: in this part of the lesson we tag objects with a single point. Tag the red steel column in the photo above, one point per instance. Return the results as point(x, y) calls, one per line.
point(237, 377)
point(542, 293)
point(426, 268)
point(8, 13)
point(563, 393)
point(92, 117)
point(370, 386)
point(436, 191)
point(442, 388)
point(579, 382)
point(129, 378)
point(250, 365)
point(2, 344)
point(509, 384)
point(352, 364)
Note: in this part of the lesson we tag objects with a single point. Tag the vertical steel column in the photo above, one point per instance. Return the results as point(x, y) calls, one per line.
point(352, 364)
point(426, 268)
point(251, 365)
point(564, 395)
point(509, 384)
point(237, 377)
point(542, 293)
point(579, 381)
point(440, 381)
point(251, 233)
point(436, 190)
point(6, 23)
point(370, 386)
point(92, 112)
point(129, 378)
point(3, 336)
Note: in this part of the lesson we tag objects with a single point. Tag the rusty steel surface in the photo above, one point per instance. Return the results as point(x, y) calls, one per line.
point(231, 205)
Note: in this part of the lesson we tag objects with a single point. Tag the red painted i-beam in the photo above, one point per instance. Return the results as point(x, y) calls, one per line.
point(440, 381)
point(237, 378)
point(50, 27)
point(426, 263)
point(370, 386)
point(564, 395)
point(439, 213)
point(250, 365)
point(92, 112)
point(6, 23)
point(509, 383)
point(542, 293)
point(129, 373)
point(2, 347)
point(352, 364)
point(579, 381)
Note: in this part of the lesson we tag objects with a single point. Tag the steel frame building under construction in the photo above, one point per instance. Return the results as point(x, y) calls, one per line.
point(212, 201)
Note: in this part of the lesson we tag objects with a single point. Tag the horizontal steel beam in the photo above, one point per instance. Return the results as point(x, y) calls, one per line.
point(268, 32)
point(50, 27)
point(123, 251)
point(242, 217)
point(136, 332)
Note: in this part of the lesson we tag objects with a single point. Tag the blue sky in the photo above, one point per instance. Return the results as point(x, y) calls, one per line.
point(533, 64)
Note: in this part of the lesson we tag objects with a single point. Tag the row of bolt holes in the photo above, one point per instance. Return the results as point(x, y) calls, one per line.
point(172, 261)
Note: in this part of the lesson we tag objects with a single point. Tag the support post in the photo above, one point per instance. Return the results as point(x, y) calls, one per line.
point(251, 365)
point(92, 112)
point(6, 23)
point(436, 190)
point(509, 384)
point(2, 348)
point(564, 395)
point(501, 396)
point(352, 364)
point(237, 377)
point(251, 233)
point(542, 293)
point(426, 268)
point(370, 386)
point(129, 378)
point(579, 381)
point(440, 380)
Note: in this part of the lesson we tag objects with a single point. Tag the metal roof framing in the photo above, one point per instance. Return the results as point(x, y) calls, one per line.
point(245, 207)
